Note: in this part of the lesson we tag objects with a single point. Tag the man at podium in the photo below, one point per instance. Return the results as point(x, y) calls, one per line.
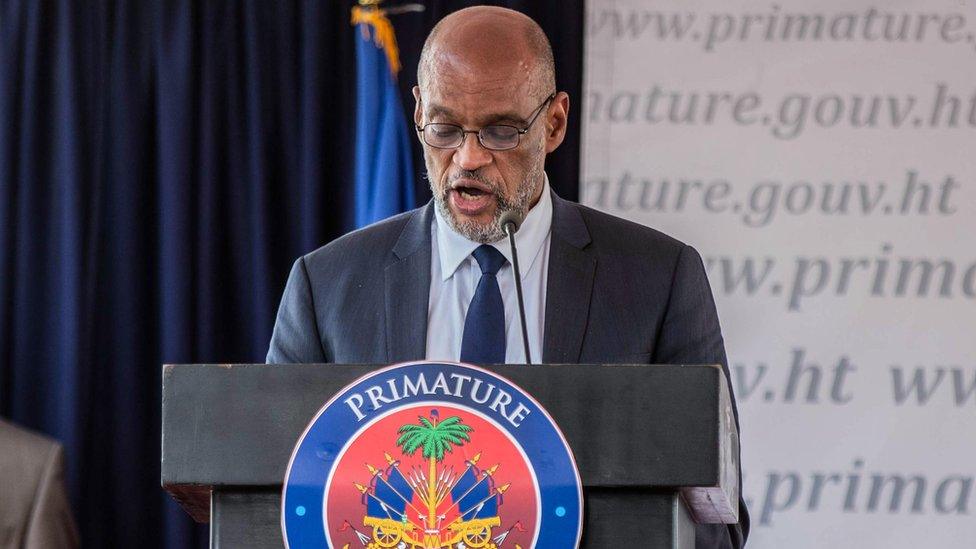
point(438, 282)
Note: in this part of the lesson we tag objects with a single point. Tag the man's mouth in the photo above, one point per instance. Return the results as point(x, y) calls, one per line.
point(471, 198)
point(470, 192)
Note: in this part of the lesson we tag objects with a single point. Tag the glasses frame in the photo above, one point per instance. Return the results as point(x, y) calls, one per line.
point(464, 133)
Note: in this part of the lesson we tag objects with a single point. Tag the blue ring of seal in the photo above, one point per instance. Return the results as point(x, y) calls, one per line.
point(316, 453)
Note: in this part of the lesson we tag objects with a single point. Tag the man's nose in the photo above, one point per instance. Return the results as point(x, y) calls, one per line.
point(471, 155)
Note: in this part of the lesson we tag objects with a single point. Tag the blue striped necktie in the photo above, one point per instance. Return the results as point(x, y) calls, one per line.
point(483, 341)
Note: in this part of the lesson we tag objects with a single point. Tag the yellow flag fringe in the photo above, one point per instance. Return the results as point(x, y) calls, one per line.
point(383, 34)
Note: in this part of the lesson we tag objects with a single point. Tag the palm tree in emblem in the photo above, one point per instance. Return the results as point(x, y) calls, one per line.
point(435, 438)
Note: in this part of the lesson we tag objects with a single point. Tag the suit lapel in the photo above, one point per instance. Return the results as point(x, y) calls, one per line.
point(407, 284)
point(569, 285)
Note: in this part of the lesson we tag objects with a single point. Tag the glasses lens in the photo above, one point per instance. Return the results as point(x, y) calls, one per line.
point(499, 137)
point(443, 135)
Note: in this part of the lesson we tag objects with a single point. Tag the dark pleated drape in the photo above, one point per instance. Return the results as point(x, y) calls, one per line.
point(161, 165)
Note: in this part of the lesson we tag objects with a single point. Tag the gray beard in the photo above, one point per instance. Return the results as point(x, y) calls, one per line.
point(489, 232)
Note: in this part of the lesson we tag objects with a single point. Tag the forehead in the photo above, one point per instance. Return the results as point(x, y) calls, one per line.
point(478, 89)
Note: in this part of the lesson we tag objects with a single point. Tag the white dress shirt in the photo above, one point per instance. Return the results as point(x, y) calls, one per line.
point(454, 276)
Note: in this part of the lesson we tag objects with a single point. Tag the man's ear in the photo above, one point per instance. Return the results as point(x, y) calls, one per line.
point(417, 112)
point(556, 120)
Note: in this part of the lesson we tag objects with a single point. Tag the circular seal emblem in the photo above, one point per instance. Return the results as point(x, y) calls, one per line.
point(432, 455)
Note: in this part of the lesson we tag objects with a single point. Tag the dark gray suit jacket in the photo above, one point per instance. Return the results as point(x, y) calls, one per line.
point(618, 292)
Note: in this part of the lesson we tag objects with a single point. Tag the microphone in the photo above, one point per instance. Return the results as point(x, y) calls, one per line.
point(510, 221)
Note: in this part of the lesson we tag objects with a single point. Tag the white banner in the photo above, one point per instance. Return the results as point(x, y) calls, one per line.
point(822, 158)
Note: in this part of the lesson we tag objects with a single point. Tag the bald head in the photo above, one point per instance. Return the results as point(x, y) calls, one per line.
point(489, 39)
point(487, 71)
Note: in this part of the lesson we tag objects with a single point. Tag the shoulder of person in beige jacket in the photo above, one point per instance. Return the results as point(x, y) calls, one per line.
point(34, 508)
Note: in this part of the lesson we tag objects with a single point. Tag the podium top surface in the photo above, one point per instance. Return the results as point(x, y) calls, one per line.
point(629, 426)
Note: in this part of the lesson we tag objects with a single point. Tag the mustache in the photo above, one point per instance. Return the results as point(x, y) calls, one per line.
point(473, 175)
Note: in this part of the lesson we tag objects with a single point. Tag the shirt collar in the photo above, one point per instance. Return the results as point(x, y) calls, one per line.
point(454, 249)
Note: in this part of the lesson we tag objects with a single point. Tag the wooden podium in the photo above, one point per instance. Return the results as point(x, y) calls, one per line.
point(656, 446)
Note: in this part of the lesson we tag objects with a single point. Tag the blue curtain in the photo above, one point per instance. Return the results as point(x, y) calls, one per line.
point(161, 166)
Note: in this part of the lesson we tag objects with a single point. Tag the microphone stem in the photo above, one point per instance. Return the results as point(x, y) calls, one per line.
point(518, 292)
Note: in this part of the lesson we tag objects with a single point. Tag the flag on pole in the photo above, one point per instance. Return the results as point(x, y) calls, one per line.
point(384, 180)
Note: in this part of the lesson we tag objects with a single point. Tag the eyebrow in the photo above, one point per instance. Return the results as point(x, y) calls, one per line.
point(494, 118)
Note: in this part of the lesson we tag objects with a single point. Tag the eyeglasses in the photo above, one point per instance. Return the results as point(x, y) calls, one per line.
point(497, 137)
